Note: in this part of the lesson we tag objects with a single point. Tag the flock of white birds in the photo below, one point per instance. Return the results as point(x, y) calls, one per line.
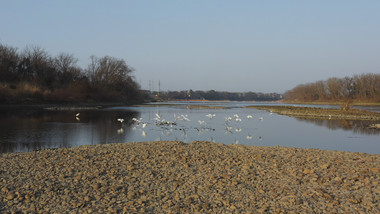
point(167, 127)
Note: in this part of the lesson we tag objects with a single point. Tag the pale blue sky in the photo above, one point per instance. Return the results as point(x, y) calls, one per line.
point(261, 46)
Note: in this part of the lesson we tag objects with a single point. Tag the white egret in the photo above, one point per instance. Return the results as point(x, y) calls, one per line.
point(201, 122)
point(238, 119)
point(210, 116)
point(136, 120)
point(236, 141)
point(249, 116)
point(176, 117)
point(121, 120)
point(120, 131)
point(77, 115)
point(228, 118)
point(185, 117)
point(261, 118)
point(158, 117)
point(144, 125)
point(228, 129)
point(238, 130)
point(249, 137)
point(143, 133)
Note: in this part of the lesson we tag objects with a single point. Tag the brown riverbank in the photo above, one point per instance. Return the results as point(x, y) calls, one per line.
point(324, 113)
point(357, 103)
point(174, 177)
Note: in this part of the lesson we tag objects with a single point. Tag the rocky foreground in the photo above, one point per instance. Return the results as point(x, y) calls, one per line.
point(203, 177)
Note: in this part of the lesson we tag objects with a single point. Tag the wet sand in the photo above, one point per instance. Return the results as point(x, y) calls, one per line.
point(200, 177)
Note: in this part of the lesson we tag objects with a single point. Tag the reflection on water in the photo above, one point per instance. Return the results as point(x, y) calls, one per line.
point(32, 130)
point(22, 131)
point(356, 126)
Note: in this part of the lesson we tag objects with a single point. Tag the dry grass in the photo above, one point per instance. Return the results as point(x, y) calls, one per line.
point(25, 92)
point(21, 92)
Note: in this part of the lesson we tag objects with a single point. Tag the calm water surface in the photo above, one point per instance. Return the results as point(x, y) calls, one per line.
point(22, 131)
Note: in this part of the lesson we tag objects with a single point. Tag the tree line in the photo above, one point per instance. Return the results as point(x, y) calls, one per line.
point(358, 88)
point(33, 76)
point(217, 95)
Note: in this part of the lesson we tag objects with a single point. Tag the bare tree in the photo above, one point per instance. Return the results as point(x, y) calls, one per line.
point(59, 78)
point(109, 72)
point(67, 69)
point(112, 74)
point(36, 65)
point(9, 60)
point(364, 87)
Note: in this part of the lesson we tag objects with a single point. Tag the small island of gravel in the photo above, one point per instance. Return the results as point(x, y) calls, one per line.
point(321, 113)
point(203, 177)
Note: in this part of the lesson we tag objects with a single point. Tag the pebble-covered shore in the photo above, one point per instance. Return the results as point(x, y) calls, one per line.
point(322, 113)
point(200, 177)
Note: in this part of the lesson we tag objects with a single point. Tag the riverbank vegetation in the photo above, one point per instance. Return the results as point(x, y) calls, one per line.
point(364, 88)
point(213, 95)
point(32, 75)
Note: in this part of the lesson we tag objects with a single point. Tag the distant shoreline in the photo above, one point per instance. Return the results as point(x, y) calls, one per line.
point(99, 105)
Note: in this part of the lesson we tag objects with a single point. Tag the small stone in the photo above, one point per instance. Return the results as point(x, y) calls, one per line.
point(129, 203)
point(308, 171)
point(98, 197)
point(96, 185)
point(11, 196)
point(130, 195)
point(355, 201)
point(325, 166)
point(4, 190)
point(327, 196)
point(205, 206)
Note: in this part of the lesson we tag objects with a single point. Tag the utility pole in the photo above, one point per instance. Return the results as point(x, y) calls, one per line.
point(159, 87)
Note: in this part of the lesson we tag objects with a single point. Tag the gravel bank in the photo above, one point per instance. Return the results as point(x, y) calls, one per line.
point(204, 177)
point(321, 113)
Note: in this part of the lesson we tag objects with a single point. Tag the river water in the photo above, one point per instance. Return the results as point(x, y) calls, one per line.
point(22, 131)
